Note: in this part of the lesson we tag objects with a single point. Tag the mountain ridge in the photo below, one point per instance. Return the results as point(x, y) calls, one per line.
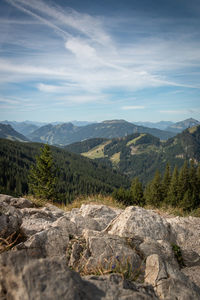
point(141, 154)
point(68, 133)
point(7, 132)
point(182, 125)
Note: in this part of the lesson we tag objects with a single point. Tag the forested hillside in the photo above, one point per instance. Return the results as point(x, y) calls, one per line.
point(76, 175)
point(176, 188)
point(141, 154)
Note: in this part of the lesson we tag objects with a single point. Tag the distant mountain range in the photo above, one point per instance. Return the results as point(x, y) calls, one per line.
point(140, 154)
point(170, 126)
point(24, 128)
point(27, 127)
point(7, 132)
point(62, 134)
point(67, 133)
point(180, 126)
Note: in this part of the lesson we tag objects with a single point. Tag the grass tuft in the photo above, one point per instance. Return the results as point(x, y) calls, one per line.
point(9, 242)
point(113, 266)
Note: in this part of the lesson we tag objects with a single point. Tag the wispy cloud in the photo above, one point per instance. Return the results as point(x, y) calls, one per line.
point(81, 58)
point(130, 107)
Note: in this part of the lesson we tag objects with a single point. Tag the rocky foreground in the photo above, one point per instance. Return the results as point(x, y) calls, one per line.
point(116, 254)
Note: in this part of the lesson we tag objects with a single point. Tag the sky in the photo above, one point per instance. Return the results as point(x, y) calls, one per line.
point(95, 60)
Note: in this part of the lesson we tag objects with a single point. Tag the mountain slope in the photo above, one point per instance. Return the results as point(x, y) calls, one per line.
point(68, 133)
point(76, 174)
point(7, 132)
point(141, 154)
point(180, 126)
point(24, 128)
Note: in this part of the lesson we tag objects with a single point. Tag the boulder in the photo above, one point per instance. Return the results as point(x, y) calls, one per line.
point(168, 281)
point(100, 251)
point(116, 288)
point(83, 223)
point(187, 231)
point(10, 220)
point(101, 213)
point(193, 273)
point(50, 242)
point(16, 202)
point(139, 222)
point(24, 278)
point(37, 219)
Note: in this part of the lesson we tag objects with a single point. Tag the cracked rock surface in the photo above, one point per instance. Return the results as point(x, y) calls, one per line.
point(96, 252)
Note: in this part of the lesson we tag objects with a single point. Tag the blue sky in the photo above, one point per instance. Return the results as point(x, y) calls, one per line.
point(95, 60)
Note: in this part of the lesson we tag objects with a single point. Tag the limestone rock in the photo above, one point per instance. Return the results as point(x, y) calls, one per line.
point(30, 279)
point(116, 288)
point(98, 250)
point(50, 242)
point(16, 202)
point(187, 231)
point(83, 223)
point(36, 219)
point(97, 239)
point(161, 248)
point(10, 220)
point(169, 282)
point(66, 225)
point(136, 221)
point(101, 213)
point(193, 273)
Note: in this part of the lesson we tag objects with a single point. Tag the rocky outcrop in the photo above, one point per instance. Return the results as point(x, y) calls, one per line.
point(96, 252)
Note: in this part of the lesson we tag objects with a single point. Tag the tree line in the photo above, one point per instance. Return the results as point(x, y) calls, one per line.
point(75, 175)
point(176, 188)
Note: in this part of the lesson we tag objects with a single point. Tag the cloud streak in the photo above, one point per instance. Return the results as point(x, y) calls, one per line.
point(62, 53)
point(133, 107)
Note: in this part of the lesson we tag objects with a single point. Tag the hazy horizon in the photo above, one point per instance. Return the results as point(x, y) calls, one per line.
point(136, 60)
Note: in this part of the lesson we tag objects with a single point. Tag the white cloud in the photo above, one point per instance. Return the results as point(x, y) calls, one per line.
point(79, 49)
point(130, 107)
point(9, 101)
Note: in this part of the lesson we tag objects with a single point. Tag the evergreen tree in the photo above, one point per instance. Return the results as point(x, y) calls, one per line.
point(188, 201)
point(166, 181)
point(172, 195)
point(42, 178)
point(153, 192)
point(122, 195)
point(137, 194)
point(183, 182)
point(193, 182)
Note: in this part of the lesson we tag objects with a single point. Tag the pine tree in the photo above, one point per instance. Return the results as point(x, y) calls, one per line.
point(137, 194)
point(166, 181)
point(172, 195)
point(153, 192)
point(183, 181)
point(41, 178)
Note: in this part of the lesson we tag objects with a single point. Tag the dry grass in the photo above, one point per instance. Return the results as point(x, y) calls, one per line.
point(92, 199)
point(38, 202)
point(9, 242)
point(112, 266)
point(170, 212)
point(83, 199)
point(165, 211)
